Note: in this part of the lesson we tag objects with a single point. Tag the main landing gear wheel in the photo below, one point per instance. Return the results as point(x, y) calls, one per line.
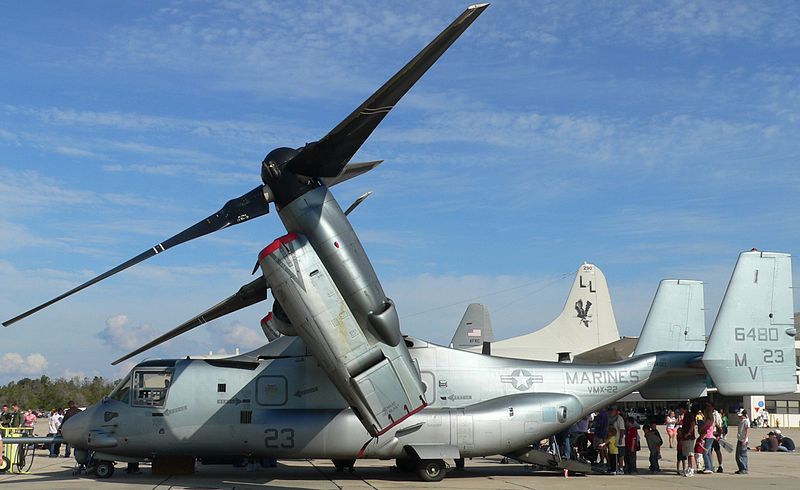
point(431, 470)
point(5, 465)
point(104, 469)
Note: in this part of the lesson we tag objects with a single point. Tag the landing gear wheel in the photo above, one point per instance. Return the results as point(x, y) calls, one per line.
point(5, 465)
point(431, 470)
point(342, 464)
point(104, 469)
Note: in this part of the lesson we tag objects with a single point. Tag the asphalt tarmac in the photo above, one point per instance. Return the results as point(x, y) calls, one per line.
point(777, 470)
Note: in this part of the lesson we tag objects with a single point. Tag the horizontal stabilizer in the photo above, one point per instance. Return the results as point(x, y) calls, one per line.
point(751, 347)
point(611, 352)
point(676, 387)
point(676, 320)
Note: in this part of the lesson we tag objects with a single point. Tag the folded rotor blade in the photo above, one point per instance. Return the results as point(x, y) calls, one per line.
point(349, 171)
point(238, 210)
point(358, 201)
point(249, 294)
point(326, 157)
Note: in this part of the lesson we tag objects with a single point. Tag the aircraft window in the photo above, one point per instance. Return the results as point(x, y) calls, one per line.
point(150, 387)
point(122, 392)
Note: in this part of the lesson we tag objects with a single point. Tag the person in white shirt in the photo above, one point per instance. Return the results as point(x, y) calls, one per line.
point(53, 426)
point(742, 437)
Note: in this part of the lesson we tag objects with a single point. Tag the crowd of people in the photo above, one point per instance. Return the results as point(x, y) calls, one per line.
point(775, 442)
point(12, 418)
point(612, 439)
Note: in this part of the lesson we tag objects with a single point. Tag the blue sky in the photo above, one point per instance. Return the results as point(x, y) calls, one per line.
point(654, 139)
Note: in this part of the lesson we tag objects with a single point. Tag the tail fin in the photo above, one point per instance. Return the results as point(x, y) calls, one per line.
point(587, 321)
point(751, 348)
point(676, 321)
point(475, 328)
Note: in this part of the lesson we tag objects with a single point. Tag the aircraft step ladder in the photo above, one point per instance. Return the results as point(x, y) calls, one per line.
point(547, 460)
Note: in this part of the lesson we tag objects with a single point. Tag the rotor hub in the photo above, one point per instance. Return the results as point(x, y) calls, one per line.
point(274, 163)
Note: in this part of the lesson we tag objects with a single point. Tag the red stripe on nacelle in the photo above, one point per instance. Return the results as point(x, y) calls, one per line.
point(267, 318)
point(275, 245)
point(409, 414)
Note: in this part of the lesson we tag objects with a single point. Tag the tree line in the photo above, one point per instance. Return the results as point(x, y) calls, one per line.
point(46, 393)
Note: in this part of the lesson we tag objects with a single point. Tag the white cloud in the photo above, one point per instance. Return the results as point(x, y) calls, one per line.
point(231, 48)
point(121, 335)
point(14, 236)
point(15, 363)
point(9, 136)
point(237, 335)
point(21, 189)
point(75, 152)
point(133, 122)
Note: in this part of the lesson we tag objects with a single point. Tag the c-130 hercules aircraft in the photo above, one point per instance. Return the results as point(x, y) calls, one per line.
point(343, 383)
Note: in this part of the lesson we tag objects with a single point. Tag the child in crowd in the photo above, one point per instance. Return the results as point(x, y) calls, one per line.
point(613, 450)
point(631, 445)
point(681, 458)
point(654, 443)
point(699, 451)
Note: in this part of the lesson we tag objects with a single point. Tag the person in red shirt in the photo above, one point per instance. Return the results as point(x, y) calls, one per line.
point(631, 445)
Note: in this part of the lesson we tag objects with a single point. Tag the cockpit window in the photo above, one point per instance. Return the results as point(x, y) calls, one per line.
point(150, 387)
point(122, 392)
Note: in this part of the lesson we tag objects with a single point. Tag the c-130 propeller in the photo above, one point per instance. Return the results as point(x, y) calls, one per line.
point(320, 275)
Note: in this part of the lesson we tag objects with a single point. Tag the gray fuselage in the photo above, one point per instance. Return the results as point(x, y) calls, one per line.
point(276, 401)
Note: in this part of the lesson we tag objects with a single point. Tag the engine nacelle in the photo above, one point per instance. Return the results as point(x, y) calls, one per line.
point(269, 329)
point(372, 376)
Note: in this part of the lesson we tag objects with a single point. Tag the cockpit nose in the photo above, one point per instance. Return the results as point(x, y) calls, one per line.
point(76, 428)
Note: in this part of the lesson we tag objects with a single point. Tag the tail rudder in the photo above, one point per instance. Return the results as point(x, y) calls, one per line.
point(475, 328)
point(585, 323)
point(676, 320)
point(675, 323)
point(588, 314)
point(751, 347)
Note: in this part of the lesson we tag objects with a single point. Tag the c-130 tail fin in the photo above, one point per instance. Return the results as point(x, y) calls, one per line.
point(475, 328)
point(751, 347)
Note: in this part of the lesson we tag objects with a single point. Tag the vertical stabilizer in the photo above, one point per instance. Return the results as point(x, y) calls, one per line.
point(586, 322)
point(751, 348)
point(475, 328)
point(676, 320)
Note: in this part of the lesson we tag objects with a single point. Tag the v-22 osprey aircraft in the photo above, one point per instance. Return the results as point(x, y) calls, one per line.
point(343, 383)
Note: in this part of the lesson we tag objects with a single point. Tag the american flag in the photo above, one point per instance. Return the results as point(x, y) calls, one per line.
point(475, 332)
